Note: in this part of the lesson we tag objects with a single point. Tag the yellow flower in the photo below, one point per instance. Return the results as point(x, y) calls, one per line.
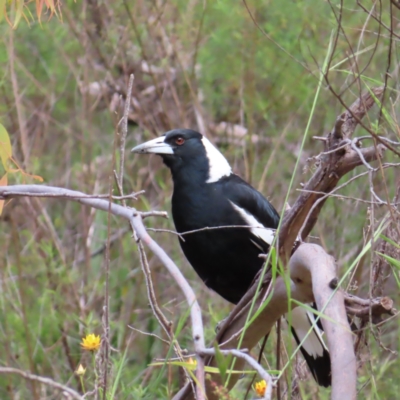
point(81, 370)
point(91, 342)
point(260, 388)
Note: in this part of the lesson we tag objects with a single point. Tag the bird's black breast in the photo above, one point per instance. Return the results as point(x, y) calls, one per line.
point(226, 259)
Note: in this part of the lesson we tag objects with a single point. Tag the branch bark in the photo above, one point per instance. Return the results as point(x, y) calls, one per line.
point(336, 328)
point(333, 165)
point(366, 308)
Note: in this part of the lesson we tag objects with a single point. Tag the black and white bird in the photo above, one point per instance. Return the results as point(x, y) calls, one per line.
point(208, 194)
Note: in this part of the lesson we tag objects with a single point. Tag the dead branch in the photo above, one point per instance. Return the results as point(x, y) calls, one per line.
point(337, 329)
point(332, 167)
point(381, 266)
point(243, 354)
point(305, 279)
point(157, 312)
point(364, 308)
point(46, 381)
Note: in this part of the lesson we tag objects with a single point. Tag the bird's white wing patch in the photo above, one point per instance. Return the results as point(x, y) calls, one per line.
point(218, 165)
point(266, 234)
point(301, 322)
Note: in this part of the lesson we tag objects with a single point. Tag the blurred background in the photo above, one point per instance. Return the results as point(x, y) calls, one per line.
point(244, 74)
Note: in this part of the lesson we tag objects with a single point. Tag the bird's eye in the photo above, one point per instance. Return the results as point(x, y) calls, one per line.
point(179, 141)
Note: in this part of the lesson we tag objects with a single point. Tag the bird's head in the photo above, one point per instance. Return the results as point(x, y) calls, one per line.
point(185, 150)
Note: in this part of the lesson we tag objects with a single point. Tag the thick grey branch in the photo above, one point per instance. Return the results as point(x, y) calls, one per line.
point(336, 328)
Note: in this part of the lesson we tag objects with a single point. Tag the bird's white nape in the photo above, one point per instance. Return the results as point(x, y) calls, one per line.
point(266, 234)
point(218, 165)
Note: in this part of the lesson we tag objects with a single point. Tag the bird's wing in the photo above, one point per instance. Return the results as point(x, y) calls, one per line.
point(254, 209)
point(313, 348)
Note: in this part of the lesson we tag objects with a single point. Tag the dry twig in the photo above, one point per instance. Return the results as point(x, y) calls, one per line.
point(332, 167)
point(46, 381)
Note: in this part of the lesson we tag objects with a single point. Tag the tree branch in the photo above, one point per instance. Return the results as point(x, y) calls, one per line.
point(364, 308)
point(46, 381)
point(332, 167)
point(336, 328)
point(252, 362)
point(136, 221)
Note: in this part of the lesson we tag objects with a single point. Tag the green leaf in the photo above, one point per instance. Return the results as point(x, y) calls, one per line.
point(2, 8)
point(18, 12)
point(351, 56)
point(392, 261)
point(120, 365)
point(318, 314)
point(3, 182)
point(386, 114)
point(222, 361)
point(386, 239)
point(5, 146)
point(395, 274)
point(190, 366)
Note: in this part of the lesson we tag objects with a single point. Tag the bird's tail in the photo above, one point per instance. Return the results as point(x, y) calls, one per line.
point(313, 348)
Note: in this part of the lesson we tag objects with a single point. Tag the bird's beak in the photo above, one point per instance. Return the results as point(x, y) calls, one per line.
point(156, 146)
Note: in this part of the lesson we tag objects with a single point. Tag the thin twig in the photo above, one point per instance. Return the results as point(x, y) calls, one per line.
point(324, 197)
point(358, 151)
point(153, 335)
point(162, 320)
point(146, 214)
point(67, 195)
point(331, 168)
point(41, 379)
point(243, 353)
point(357, 199)
point(114, 237)
point(341, 147)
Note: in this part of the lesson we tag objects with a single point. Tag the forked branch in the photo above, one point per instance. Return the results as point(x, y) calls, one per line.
point(135, 219)
point(333, 165)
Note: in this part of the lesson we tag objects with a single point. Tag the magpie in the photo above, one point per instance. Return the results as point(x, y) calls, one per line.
point(229, 223)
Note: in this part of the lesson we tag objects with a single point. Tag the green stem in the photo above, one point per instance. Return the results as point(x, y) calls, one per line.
point(82, 384)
